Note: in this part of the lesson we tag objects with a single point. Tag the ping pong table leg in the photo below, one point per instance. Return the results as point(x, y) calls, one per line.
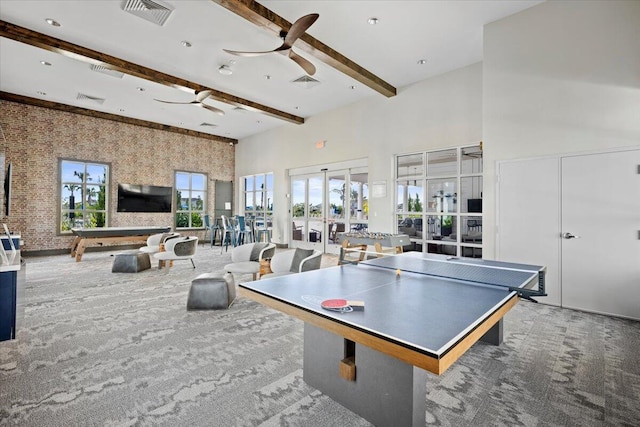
point(494, 335)
point(386, 391)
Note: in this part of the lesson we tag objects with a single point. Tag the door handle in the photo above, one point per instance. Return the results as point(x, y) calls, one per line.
point(569, 236)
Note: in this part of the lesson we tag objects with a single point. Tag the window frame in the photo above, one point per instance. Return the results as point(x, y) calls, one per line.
point(190, 211)
point(456, 219)
point(255, 213)
point(84, 212)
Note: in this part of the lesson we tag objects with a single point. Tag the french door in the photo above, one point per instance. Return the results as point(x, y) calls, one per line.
point(325, 204)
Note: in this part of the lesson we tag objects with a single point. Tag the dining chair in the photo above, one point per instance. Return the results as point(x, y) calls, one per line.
point(210, 228)
point(242, 231)
point(228, 234)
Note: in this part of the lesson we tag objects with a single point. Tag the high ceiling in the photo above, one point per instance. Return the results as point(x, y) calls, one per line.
point(260, 94)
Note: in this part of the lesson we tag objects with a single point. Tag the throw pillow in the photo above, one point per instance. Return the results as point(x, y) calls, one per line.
point(298, 257)
point(255, 251)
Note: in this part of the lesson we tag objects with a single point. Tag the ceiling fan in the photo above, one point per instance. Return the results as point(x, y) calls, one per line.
point(200, 97)
point(289, 38)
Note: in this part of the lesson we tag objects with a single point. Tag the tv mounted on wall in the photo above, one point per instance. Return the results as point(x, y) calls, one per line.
point(144, 198)
point(7, 191)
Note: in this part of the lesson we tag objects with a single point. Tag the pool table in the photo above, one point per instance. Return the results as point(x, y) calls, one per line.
point(84, 236)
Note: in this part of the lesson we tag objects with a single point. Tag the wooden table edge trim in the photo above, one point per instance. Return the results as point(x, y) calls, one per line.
point(415, 358)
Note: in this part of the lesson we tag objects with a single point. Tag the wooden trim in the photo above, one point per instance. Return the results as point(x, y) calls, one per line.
point(79, 244)
point(429, 363)
point(21, 99)
point(90, 56)
point(460, 348)
point(259, 15)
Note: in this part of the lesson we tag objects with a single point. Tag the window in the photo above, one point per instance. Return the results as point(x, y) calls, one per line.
point(83, 193)
point(258, 198)
point(191, 199)
point(439, 200)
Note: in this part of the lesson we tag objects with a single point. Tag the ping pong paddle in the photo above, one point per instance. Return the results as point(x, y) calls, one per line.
point(342, 305)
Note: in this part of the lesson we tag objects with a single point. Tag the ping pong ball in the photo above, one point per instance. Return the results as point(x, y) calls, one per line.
point(398, 272)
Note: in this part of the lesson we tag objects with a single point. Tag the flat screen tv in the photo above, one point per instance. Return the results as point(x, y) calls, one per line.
point(144, 198)
point(7, 191)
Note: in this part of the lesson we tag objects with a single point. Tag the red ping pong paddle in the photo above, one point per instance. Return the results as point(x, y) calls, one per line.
point(342, 305)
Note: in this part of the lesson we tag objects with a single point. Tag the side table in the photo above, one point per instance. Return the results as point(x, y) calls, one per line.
point(265, 266)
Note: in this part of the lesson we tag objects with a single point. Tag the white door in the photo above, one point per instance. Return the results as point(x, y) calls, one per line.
point(529, 218)
point(595, 197)
point(601, 207)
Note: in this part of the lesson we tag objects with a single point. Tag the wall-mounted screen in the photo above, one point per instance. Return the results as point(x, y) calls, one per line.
point(144, 198)
point(7, 191)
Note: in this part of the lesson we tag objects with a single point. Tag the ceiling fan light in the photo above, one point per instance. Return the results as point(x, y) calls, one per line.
point(225, 70)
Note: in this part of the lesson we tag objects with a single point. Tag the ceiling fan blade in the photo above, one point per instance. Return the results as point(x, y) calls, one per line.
point(299, 27)
point(171, 102)
point(201, 96)
point(247, 54)
point(305, 64)
point(212, 109)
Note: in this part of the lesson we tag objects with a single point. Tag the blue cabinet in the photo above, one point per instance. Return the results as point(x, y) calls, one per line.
point(12, 280)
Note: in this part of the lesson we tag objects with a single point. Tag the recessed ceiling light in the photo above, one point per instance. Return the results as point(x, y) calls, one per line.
point(122, 110)
point(225, 70)
point(422, 61)
point(372, 21)
point(185, 43)
point(52, 22)
point(140, 89)
point(267, 77)
point(48, 64)
point(258, 121)
point(352, 87)
point(297, 108)
point(41, 93)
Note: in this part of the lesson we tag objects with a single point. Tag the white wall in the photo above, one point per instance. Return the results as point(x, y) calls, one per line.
point(556, 78)
point(444, 111)
point(561, 77)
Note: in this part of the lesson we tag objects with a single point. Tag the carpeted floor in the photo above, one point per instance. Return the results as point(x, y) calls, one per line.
point(116, 349)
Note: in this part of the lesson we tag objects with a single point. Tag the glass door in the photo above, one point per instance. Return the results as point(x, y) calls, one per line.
point(327, 204)
point(307, 211)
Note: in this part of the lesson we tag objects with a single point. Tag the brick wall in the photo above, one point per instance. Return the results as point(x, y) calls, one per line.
point(36, 138)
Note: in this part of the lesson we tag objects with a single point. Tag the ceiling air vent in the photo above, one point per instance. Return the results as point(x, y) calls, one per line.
point(104, 70)
point(306, 82)
point(83, 97)
point(208, 124)
point(153, 11)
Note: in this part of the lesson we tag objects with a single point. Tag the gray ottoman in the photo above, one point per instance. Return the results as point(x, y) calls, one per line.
point(131, 262)
point(211, 291)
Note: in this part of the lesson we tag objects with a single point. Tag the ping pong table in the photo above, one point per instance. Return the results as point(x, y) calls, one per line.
point(421, 313)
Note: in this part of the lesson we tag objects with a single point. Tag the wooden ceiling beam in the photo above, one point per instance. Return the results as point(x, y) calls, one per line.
point(259, 15)
point(90, 56)
point(21, 99)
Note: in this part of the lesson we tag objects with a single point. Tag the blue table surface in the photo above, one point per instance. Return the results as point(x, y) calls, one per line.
point(427, 314)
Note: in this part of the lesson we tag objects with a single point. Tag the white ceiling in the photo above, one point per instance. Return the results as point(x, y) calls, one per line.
point(448, 34)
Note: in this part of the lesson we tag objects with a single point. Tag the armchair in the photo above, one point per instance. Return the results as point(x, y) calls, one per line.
point(155, 240)
point(245, 259)
point(294, 261)
point(178, 248)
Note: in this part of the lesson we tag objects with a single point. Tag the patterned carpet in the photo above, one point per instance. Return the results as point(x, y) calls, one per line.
point(116, 349)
